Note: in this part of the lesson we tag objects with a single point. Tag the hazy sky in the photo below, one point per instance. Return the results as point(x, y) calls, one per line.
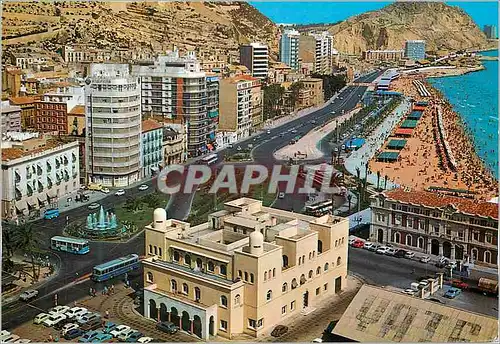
point(295, 12)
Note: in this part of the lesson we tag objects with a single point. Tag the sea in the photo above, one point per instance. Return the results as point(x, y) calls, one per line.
point(474, 96)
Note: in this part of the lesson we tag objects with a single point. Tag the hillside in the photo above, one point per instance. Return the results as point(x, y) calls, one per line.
point(151, 26)
point(440, 25)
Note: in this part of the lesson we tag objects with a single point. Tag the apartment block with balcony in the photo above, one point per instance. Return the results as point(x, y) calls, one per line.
point(36, 172)
point(245, 270)
point(174, 144)
point(383, 55)
point(289, 48)
point(255, 57)
point(113, 126)
point(28, 110)
point(151, 148)
point(316, 49)
point(11, 117)
point(458, 228)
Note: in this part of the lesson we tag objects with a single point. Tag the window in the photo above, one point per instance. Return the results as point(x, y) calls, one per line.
point(300, 260)
point(269, 295)
point(185, 288)
point(284, 288)
point(292, 305)
point(336, 242)
point(274, 272)
point(159, 251)
point(156, 250)
point(285, 261)
point(240, 274)
point(436, 229)
point(294, 283)
point(474, 253)
point(149, 277)
point(211, 266)
point(187, 259)
point(223, 270)
point(326, 267)
point(251, 278)
point(173, 285)
point(489, 238)
point(176, 256)
point(339, 261)
point(223, 325)
point(197, 293)
point(408, 240)
point(304, 259)
point(325, 287)
point(260, 322)
point(487, 256)
point(283, 310)
point(151, 249)
point(461, 235)
point(448, 231)
point(265, 275)
point(252, 323)
point(223, 301)
point(310, 273)
point(318, 270)
point(475, 235)
point(317, 291)
point(310, 255)
point(237, 299)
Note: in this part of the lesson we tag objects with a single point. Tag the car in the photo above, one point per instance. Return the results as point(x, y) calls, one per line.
point(88, 318)
point(358, 244)
point(11, 339)
point(409, 255)
point(433, 299)
point(143, 187)
point(167, 326)
point(102, 337)
point(440, 265)
point(105, 190)
point(28, 295)
point(59, 326)
point(382, 250)
point(40, 318)
point(459, 284)
point(88, 336)
point(53, 319)
point(269, 131)
point(4, 334)
point(281, 195)
point(230, 146)
point(367, 245)
point(294, 131)
point(145, 340)
point(452, 264)
point(76, 312)
point(91, 325)
point(391, 252)
point(22, 341)
point(374, 248)
point(67, 327)
point(352, 239)
point(120, 192)
point(93, 206)
point(425, 259)
point(279, 331)
point(122, 337)
point(134, 337)
point(452, 293)
point(58, 310)
point(409, 292)
point(74, 333)
point(108, 326)
point(119, 329)
point(317, 340)
point(400, 253)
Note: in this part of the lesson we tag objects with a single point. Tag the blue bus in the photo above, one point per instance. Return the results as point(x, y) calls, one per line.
point(115, 267)
point(51, 214)
point(71, 245)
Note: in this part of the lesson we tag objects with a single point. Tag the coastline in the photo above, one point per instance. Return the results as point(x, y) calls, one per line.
point(443, 73)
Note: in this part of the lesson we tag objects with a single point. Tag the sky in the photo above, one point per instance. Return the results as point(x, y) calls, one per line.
point(294, 12)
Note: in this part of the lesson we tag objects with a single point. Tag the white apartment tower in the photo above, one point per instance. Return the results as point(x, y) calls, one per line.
point(255, 57)
point(113, 122)
point(323, 52)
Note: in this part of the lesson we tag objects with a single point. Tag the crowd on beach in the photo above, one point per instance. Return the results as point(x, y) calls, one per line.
point(419, 165)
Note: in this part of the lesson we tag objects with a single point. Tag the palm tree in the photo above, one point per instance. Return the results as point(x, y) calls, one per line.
point(349, 197)
point(385, 181)
point(28, 241)
point(8, 241)
point(378, 180)
point(133, 204)
point(153, 201)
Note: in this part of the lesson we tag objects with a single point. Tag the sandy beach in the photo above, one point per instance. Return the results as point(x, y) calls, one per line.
point(419, 165)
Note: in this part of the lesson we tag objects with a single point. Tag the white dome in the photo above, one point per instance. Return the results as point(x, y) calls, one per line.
point(159, 216)
point(256, 242)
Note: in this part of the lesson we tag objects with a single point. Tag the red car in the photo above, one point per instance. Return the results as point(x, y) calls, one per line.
point(459, 284)
point(358, 244)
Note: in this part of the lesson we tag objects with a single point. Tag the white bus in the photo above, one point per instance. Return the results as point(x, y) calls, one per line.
point(210, 159)
point(319, 209)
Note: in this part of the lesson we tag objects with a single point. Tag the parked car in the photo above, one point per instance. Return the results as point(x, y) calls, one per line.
point(367, 245)
point(281, 195)
point(400, 253)
point(105, 190)
point(317, 340)
point(409, 292)
point(28, 295)
point(76, 312)
point(22, 341)
point(167, 326)
point(67, 327)
point(425, 259)
point(4, 334)
point(279, 331)
point(89, 317)
point(134, 337)
point(119, 329)
point(382, 249)
point(440, 265)
point(88, 336)
point(74, 333)
point(145, 340)
point(374, 247)
point(459, 284)
point(59, 326)
point(143, 187)
point(93, 206)
point(40, 318)
point(409, 255)
point(452, 293)
point(391, 252)
point(352, 239)
point(108, 327)
point(92, 325)
point(120, 192)
point(102, 337)
point(54, 319)
point(59, 310)
point(11, 339)
point(358, 244)
point(122, 337)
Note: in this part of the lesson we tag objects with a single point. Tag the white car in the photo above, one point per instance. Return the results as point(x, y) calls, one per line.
point(425, 259)
point(382, 249)
point(54, 319)
point(144, 340)
point(58, 310)
point(119, 330)
point(124, 335)
point(28, 295)
point(317, 340)
point(281, 195)
point(76, 312)
point(391, 251)
point(120, 192)
point(3, 335)
point(94, 206)
point(40, 318)
point(11, 339)
point(409, 292)
point(409, 255)
point(368, 245)
point(143, 187)
point(68, 327)
point(22, 341)
point(105, 190)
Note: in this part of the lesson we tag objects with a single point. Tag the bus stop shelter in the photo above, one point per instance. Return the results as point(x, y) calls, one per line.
point(409, 123)
point(415, 115)
point(396, 144)
point(388, 156)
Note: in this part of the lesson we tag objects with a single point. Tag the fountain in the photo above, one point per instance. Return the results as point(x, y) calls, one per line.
point(102, 224)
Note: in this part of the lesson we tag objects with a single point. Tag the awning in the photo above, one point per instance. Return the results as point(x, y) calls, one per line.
point(21, 205)
point(404, 132)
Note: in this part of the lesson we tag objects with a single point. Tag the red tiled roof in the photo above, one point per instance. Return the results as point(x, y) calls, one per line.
point(435, 200)
point(11, 153)
point(245, 77)
point(77, 110)
point(22, 100)
point(150, 124)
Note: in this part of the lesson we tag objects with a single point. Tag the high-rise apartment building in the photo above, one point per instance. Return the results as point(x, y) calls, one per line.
point(289, 48)
point(317, 49)
point(490, 31)
point(245, 270)
point(176, 88)
point(255, 57)
point(113, 125)
point(415, 49)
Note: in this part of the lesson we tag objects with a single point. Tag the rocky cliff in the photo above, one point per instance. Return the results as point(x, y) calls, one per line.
point(440, 25)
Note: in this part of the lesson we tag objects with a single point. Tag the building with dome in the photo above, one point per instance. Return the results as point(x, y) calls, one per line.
point(244, 271)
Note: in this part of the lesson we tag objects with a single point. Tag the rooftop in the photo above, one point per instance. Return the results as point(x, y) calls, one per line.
point(150, 124)
point(28, 147)
point(77, 110)
point(436, 200)
point(22, 100)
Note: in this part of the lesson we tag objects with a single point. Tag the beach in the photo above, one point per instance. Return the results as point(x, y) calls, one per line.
point(419, 167)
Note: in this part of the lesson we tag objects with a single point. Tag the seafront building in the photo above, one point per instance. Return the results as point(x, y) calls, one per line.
point(458, 228)
point(383, 55)
point(152, 152)
point(289, 48)
point(255, 57)
point(415, 50)
point(490, 31)
point(113, 126)
point(245, 270)
point(11, 117)
point(36, 172)
point(176, 88)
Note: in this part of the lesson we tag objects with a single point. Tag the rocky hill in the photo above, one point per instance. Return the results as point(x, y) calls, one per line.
point(149, 25)
point(440, 25)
